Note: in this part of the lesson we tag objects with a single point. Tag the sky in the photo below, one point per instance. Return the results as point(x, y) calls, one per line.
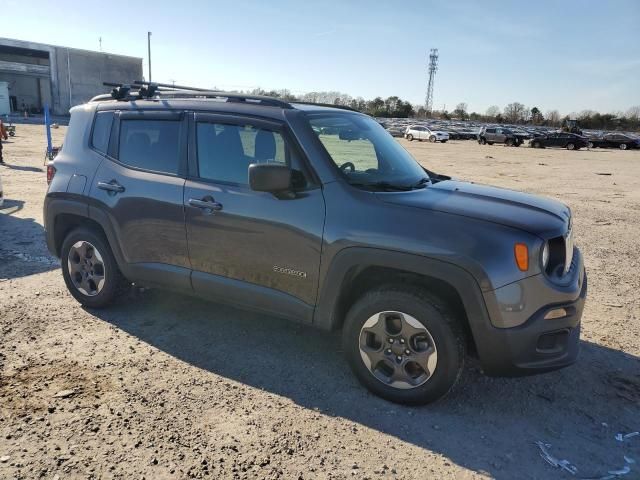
point(565, 55)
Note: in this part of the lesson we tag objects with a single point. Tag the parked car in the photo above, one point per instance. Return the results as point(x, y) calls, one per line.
point(570, 141)
point(421, 133)
point(395, 131)
point(491, 135)
point(243, 201)
point(614, 140)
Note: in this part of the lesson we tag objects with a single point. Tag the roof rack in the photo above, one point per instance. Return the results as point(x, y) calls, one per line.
point(142, 90)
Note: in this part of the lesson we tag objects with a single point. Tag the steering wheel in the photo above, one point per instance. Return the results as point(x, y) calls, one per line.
point(346, 165)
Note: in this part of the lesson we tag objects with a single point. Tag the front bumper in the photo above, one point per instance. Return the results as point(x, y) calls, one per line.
point(521, 340)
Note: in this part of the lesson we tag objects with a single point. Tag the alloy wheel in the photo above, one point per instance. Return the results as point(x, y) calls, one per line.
point(398, 350)
point(86, 268)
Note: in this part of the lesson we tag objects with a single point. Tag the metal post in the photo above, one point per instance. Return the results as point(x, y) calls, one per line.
point(149, 48)
point(47, 126)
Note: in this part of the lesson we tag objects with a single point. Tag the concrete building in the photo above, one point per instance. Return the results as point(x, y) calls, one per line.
point(37, 74)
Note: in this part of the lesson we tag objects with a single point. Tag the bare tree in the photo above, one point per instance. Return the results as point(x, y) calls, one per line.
point(492, 112)
point(514, 112)
point(633, 113)
point(553, 117)
point(461, 110)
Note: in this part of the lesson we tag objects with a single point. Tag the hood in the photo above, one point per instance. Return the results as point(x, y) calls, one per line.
point(537, 215)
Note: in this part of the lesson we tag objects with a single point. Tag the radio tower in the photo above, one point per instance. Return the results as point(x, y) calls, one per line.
point(433, 67)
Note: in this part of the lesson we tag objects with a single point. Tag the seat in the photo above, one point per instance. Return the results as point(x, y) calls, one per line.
point(265, 147)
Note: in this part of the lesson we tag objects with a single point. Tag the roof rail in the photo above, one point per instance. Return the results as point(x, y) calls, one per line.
point(142, 90)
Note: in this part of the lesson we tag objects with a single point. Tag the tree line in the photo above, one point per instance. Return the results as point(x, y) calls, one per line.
point(513, 113)
point(517, 113)
point(390, 107)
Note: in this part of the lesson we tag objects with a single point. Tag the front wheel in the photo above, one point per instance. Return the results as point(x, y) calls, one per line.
point(89, 268)
point(432, 139)
point(570, 146)
point(590, 145)
point(410, 137)
point(483, 141)
point(509, 142)
point(623, 146)
point(536, 144)
point(404, 345)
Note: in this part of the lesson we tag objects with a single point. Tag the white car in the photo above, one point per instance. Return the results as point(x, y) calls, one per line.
point(421, 133)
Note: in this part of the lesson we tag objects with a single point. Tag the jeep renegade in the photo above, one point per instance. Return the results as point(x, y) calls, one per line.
point(318, 215)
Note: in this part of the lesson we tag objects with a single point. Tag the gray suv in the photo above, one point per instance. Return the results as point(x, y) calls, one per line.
point(318, 215)
point(491, 135)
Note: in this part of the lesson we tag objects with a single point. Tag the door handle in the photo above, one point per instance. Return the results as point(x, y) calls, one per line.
point(206, 203)
point(111, 187)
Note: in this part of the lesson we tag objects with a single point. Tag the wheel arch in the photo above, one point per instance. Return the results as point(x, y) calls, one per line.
point(355, 270)
point(62, 215)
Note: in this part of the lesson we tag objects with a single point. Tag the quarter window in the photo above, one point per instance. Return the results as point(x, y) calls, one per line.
point(150, 144)
point(225, 151)
point(102, 131)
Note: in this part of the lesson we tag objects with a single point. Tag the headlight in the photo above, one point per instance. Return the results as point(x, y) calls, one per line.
point(545, 255)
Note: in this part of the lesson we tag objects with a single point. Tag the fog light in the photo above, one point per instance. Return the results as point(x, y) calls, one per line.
point(555, 313)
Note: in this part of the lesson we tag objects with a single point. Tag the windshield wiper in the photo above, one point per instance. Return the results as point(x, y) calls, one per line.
point(385, 186)
point(421, 183)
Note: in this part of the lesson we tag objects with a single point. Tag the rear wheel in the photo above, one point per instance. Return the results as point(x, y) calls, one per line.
point(570, 146)
point(432, 139)
point(536, 144)
point(509, 142)
point(410, 137)
point(623, 146)
point(489, 143)
point(591, 145)
point(89, 268)
point(483, 141)
point(404, 345)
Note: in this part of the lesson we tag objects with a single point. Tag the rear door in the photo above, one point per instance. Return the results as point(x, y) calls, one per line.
point(139, 188)
point(246, 246)
point(499, 136)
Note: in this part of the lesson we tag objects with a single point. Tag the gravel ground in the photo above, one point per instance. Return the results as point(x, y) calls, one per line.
point(166, 386)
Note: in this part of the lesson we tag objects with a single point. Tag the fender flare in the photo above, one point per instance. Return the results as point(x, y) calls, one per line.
point(56, 206)
point(357, 258)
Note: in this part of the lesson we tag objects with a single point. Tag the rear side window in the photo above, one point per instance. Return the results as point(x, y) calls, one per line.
point(225, 151)
point(491, 130)
point(102, 131)
point(150, 144)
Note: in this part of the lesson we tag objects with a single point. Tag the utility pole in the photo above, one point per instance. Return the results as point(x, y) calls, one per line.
point(149, 49)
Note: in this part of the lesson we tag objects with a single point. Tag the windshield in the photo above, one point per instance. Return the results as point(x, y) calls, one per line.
point(366, 154)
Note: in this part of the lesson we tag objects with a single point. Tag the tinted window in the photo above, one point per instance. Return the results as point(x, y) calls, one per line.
point(150, 144)
point(225, 151)
point(491, 130)
point(102, 131)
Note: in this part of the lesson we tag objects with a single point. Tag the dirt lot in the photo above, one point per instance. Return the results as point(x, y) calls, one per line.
point(165, 386)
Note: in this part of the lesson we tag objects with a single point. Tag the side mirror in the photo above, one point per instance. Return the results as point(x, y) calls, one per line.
point(269, 177)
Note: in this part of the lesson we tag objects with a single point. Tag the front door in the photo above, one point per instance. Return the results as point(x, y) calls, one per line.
point(245, 246)
point(139, 189)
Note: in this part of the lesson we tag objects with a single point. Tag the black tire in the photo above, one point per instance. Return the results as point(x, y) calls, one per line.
point(443, 141)
point(113, 279)
point(536, 144)
point(432, 139)
point(591, 145)
point(571, 146)
point(489, 143)
point(509, 142)
point(483, 141)
point(623, 146)
point(437, 319)
point(12, 134)
point(410, 137)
